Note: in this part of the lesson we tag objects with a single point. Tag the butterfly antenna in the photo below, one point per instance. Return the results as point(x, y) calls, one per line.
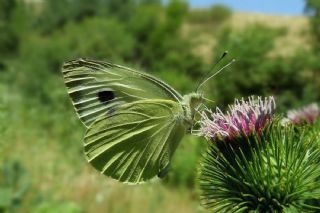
point(216, 73)
point(214, 66)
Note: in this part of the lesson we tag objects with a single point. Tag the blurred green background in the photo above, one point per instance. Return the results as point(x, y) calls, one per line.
point(42, 167)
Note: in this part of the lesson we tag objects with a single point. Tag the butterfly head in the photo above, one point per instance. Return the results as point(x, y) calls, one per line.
point(195, 99)
point(191, 102)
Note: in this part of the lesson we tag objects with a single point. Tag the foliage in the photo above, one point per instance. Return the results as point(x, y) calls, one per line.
point(108, 40)
point(245, 75)
point(4, 118)
point(185, 160)
point(159, 46)
point(313, 9)
point(276, 172)
point(52, 207)
point(8, 38)
point(14, 184)
point(220, 13)
point(56, 14)
point(256, 72)
point(2, 122)
point(216, 15)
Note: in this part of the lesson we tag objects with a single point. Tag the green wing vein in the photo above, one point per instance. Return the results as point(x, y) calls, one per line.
point(136, 142)
point(85, 79)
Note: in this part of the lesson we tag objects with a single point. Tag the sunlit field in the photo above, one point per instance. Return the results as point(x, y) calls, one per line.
point(42, 164)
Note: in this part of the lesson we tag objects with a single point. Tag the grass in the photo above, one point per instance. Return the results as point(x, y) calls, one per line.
point(59, 174)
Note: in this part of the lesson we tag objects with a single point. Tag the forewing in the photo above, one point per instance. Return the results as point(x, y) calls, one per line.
point(97, 88)
point(136, 143)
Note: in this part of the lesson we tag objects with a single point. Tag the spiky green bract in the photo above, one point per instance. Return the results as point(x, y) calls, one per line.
point(274, 172)
point(314, 130)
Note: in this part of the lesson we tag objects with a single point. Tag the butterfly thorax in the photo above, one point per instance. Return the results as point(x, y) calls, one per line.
point(190, 103)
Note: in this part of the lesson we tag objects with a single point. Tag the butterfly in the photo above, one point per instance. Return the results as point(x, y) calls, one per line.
point(134, 120)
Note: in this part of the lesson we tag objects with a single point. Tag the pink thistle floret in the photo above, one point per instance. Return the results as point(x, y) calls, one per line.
point(244, 118)
point(308, 114)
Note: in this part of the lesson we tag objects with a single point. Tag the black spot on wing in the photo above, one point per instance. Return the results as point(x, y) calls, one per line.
point(105, 96)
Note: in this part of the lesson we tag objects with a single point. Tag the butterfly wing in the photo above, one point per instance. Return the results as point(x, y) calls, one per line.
point(136, 142)
point(98, 88)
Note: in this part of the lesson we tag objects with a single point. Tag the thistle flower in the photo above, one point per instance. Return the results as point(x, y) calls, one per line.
point(305, 115)
point(280, 174)
point(244, 118)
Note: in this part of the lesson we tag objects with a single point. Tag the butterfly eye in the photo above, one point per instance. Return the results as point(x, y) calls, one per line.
point(105, 96)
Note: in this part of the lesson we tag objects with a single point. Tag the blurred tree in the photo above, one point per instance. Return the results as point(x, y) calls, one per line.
point(54, 15)
point(121, 9)
point(159, 46)
point(6, 8)
point(144, 21)
point(95, 38)
point(8, 38)
point(176, 12)
point(219, 13)
point(99, 38)
point(149, 2)
point(125, 9)
point(84, 8)
point(250, 48)
point(313, 9)
point(292, 80)
point(216, 15)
